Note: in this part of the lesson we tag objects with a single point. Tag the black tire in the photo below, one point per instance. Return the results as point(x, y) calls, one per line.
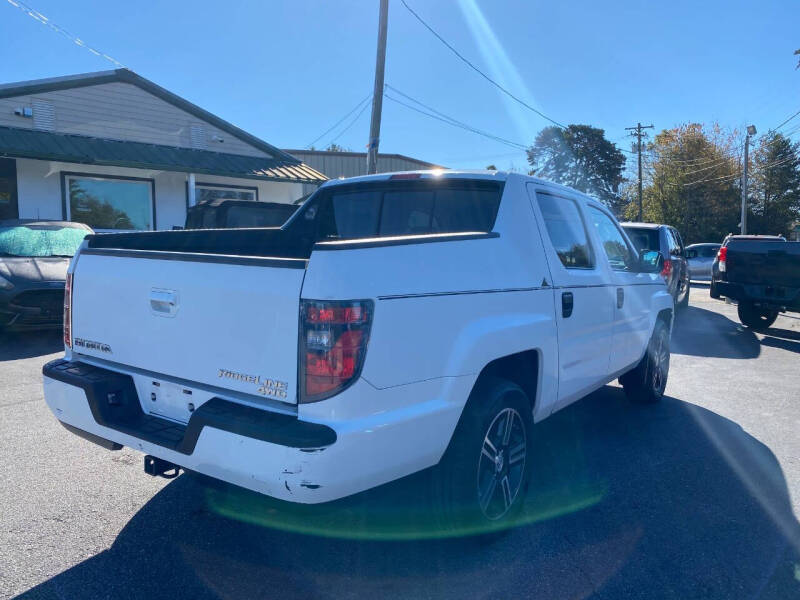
point(480, 485)
point(712, 290)
point(756, 317)
point(682, 300)
point(645, 383)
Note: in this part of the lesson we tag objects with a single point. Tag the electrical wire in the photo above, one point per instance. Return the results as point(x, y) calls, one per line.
point(340, 121)
point(351, 123)
point(455, 123)
point(472, 66)
point(36, 15)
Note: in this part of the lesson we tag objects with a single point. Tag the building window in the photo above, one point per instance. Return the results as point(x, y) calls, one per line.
point(110, 203)
point(209, 191)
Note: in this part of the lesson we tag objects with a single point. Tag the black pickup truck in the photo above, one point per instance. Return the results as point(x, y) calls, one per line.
point(762, 274)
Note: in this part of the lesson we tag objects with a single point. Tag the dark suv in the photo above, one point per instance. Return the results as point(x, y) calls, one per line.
point(667, 241)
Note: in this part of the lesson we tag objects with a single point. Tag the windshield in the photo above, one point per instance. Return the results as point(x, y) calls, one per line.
point(40, 240)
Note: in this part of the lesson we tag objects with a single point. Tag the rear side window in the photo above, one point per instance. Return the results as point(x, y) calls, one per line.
point(408, 209)
point(616, 248)
point(644, 239)
point(567, 231)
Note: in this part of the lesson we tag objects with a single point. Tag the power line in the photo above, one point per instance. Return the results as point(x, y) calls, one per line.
point(786, 121)
point(454, 123)
point(340, 121)
point(472, 66)
point(351, 123)
point(451, 119)
point(36, 15)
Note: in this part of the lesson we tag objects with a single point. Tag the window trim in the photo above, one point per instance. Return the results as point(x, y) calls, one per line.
point(76, 174)
point(592, 253)
point(624, 235)
point(225, 186)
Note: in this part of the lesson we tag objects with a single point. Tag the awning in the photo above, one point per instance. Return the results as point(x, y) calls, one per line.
point(45, 145)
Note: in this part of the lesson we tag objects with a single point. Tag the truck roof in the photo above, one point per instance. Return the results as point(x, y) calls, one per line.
point(642, 225)
point(476, 174)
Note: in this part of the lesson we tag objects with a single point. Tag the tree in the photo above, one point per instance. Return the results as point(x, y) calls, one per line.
point(491, 168)
point(334, 147)
point(95, 212)
point(692, 182)
point(774, 196)
point(578, 156)
point(581, 157)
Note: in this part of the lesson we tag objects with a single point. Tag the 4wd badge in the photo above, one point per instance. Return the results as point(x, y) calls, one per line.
point(271, 388)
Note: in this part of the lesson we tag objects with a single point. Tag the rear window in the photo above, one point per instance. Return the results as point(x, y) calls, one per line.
point(257, 216)
point(417, 208)
point(644, 239)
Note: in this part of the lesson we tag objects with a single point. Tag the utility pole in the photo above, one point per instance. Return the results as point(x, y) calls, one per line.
point(377, 94)
point(638, 135)
point(751, 130)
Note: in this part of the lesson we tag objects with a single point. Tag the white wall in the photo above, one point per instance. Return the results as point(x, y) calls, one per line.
point(39, 189)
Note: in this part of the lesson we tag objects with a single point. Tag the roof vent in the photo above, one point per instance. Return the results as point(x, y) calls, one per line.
point(198, 135)
point(44, 115)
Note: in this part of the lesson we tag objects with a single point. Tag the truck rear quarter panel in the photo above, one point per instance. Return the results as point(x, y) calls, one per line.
point(447, 309)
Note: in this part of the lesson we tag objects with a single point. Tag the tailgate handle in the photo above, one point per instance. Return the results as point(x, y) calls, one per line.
point(163, 303)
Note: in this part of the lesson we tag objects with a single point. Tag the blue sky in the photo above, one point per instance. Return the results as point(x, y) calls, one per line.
point(286, 70)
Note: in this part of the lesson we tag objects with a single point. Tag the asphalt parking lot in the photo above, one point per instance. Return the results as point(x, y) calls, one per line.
point(697, 497)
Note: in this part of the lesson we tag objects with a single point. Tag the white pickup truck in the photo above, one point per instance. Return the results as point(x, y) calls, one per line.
point(394, 323)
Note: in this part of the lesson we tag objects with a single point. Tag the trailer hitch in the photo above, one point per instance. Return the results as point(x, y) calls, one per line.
point(158, 467)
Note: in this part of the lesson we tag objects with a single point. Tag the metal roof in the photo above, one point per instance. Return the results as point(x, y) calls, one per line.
point(38, 86)
point(44, 145)
point(363, 155)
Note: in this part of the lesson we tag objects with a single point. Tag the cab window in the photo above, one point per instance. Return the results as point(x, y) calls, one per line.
point(619, 254)
point(566, 231)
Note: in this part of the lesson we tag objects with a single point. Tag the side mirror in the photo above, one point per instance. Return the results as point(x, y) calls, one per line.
point(651, 262)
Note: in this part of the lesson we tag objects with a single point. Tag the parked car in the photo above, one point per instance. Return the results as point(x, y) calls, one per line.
point(762, 274)
point(700, 258)
point(412, 347)
point(34, 256)
point(667, 241)
point(231, 214)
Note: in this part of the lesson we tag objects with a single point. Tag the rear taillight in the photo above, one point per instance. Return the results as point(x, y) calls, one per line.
point(333, 344)
point(722, 255)
point(68, 311)
point(666, 270)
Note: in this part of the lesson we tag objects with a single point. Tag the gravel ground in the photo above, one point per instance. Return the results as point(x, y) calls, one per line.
point(696, 497)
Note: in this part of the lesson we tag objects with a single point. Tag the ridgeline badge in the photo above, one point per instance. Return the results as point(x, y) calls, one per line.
point(272, 388)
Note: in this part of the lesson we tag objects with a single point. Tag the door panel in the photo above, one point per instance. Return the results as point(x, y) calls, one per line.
point(585, 333)
point(632, 291)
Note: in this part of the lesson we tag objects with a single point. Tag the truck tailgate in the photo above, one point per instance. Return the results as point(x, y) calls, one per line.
point(225, 321)
point(771, 263)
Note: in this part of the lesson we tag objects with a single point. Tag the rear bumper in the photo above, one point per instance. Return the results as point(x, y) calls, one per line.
point(764, 295)
point(274, 454)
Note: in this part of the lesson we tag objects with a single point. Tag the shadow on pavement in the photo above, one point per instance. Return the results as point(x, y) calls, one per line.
point(702, 332)
point(18, 345)
point(664, 501)
point(787, 339)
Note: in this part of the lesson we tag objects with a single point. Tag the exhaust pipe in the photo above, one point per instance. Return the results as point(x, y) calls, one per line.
point(158, 467)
